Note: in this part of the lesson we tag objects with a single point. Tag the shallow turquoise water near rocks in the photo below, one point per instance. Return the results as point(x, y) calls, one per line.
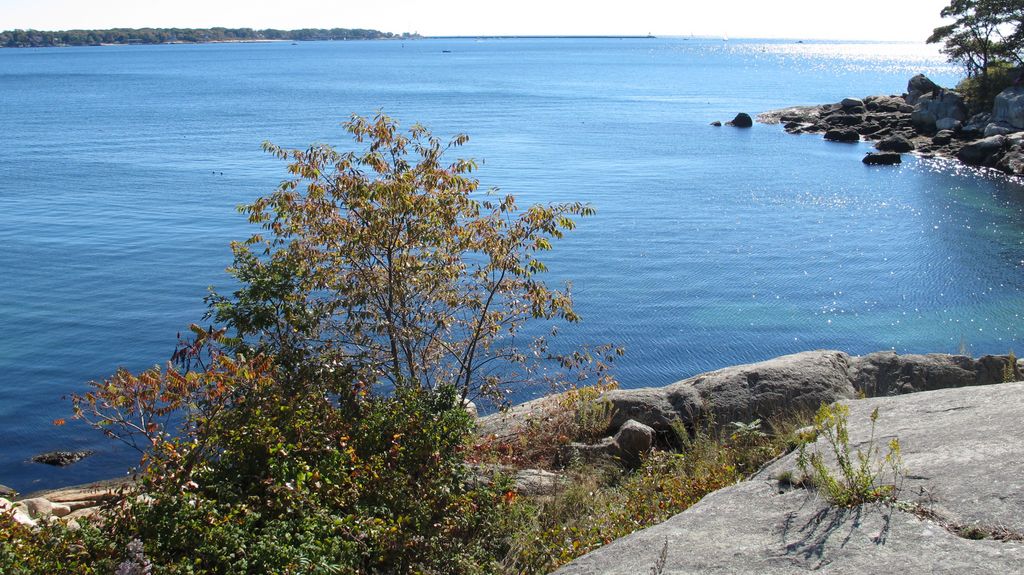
point(122, 166)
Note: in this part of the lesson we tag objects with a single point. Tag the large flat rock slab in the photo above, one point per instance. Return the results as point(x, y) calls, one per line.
point(964, 461)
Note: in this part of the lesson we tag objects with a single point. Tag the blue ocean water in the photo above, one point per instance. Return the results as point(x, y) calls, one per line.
point(122, 166)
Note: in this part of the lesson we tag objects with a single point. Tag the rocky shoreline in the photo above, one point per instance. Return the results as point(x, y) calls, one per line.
point(928, 120)
point(642, 418)
point(790, 384)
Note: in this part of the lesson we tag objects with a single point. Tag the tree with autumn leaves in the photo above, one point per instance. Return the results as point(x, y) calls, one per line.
point(393, 263)
point(317, 426)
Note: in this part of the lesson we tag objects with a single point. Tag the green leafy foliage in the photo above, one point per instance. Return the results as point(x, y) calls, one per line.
point(53, 548)
point(986, 37)
point(980, 91)
point(263, 478)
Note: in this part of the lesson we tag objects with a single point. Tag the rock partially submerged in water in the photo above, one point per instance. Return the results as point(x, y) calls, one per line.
point(61, 458)
point(846, 135)
point(882, 159)
point(984, 152)
point(898, 144)
point(741, 121)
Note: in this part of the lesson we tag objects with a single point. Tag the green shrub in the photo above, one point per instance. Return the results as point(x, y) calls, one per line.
point(861, 475)
point(53, 548)
point(980, 91)
point(307, 487)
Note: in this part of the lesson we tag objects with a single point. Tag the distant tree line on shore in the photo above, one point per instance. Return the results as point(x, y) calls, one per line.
point(37, 38)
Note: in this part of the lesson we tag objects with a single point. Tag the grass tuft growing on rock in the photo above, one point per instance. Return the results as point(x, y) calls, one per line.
point(862, 474)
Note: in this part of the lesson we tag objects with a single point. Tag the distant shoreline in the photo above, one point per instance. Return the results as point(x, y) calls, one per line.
point(544, 37)
point(157, 36)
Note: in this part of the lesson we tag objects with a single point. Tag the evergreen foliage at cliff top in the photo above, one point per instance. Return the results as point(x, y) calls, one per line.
point(37, 38)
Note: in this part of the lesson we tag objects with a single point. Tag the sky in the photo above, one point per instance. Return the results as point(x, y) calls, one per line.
point(902, 20)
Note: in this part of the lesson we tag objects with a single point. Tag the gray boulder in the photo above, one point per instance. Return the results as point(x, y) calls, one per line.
point(942, 138)
point(869, 128)
point(852, 103)
point(948, 124)
point(801, 114)
point(998, 129)
point(741, 121)
point(631, 442)
point(965, 472)
point(886, 373)
point(1009, 108)
point(656, 407)
point(897, 144)
point(919, 86)
point(846, 135)
point(37, 506)
point(884, 103)
point(985, 152)
point(1012, 161)
point(588, 453)
point(882, 159)
point(527, 481)
point(634, 440)
point(801, 381)
point(7, 492)
point(843, 119)
point(740, 393)
point(975, 125)
point(931, 108)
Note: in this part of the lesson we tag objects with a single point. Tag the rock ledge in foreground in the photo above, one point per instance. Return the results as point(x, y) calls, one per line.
point(965, 466)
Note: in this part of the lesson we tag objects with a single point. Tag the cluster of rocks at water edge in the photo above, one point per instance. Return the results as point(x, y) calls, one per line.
point(928, 120)
point(68, 505)
point(741, 120)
